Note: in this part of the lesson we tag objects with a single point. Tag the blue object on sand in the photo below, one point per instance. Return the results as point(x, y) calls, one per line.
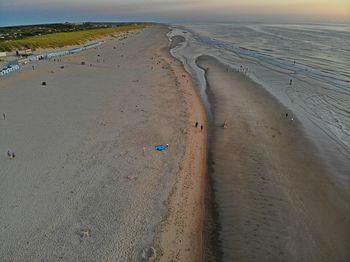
point(160, 147)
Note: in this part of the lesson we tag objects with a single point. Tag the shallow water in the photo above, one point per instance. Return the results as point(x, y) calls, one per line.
point(315, 57)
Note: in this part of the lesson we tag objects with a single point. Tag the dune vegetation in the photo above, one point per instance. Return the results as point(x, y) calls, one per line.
point(62, 39)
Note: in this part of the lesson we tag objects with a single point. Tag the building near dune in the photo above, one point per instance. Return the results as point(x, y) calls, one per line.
point(2, 54)
point(93, 44)
point(25, 52)
point(36, 57)
point(23, 61)
point(9, 69)
point(27, 56)
point(56, 54)
point(33, 58)
point(79, 49)
point(76, 50)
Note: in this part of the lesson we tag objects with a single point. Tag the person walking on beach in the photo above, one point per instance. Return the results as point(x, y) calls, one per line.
point(4, 116)
point(11, 155)
point(196, 124)
point(201, 128)
point(290, 82)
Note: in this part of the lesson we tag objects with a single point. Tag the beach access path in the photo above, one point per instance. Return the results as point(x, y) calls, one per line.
point(86, 183)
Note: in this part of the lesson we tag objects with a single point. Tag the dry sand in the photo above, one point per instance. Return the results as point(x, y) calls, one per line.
point(274, 197)
point(86, 183)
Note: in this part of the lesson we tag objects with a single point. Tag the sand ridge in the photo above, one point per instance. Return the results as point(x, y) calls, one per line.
point(180, 235)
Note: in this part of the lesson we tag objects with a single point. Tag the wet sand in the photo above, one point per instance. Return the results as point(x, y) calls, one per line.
point(86, 183)
point(274, 198)
point(176, 41)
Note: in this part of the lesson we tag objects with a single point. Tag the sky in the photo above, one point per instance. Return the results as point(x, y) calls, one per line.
point(17, 12)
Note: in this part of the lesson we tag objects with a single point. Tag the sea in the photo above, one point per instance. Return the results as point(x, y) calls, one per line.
point(306, 67)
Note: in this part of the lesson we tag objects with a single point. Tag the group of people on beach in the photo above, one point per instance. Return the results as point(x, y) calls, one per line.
point(9, 153)
point(291, 117)
point(243, 70)
point(196, 125)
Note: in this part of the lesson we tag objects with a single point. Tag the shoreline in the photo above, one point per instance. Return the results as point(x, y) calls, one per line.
point(292, 249)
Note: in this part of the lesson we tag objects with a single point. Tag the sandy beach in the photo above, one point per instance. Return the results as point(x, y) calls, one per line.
point(274, 196)
point(86, 183)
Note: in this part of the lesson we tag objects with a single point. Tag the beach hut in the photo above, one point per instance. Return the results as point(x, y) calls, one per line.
point(9, 69)
point(32, 58)
point(40, 57)
point(23, 61)
point(75, 50)
point(55, 54)
point(93, 44)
